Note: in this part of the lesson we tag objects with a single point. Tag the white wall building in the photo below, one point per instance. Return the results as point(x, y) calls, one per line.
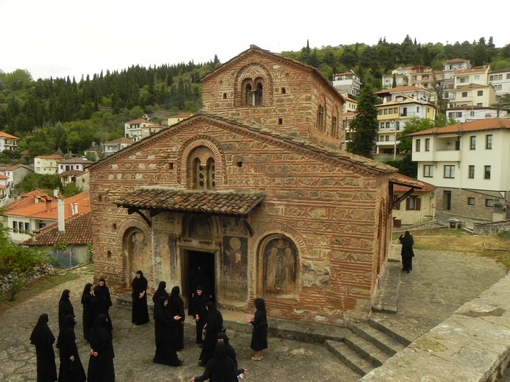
point(349, 82)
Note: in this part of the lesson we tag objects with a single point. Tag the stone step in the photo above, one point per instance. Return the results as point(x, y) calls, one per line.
point(380, 339)
point(390, 332)
point(367, 350)
point(348, 356)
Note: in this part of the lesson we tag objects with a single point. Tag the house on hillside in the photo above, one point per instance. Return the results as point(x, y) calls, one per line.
point(116, 145)
point(133, 129)
point(468, 163)
point(68, 241)
point(8, 142)
point(349, 82)
point(36, 210)
point(255, 191)
point(172, 120)
point(413, 205)
point(47, 164)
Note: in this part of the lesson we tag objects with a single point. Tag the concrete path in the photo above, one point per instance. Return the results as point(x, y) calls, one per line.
point(439, 283)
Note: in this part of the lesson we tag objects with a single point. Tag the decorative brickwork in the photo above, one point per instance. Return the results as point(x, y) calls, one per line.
point(314, 242)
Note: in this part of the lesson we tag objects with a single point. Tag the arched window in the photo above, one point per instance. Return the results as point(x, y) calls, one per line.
point(320, 118)
point(248, 95)
point(202, 169)
point(258, 94)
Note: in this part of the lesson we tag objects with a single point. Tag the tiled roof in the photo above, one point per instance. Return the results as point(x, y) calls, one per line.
point(139, 120)
point(471, 70)
point(400, 89)
point(71, 173)
point(11, 168)
point(50, 157)
point(27, 199)
point(75, 160)
point(119, 140)
point(454, 60)
point(500, 70)
point(78, 231)
point(459, 128)
point(218, 202)
point(403, 183)
point(3, 177)
point(471, 86)
point(48, 210)
point(405, 100)
point(5, 135)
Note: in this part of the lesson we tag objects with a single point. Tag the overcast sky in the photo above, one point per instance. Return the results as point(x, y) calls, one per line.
point(62, 38)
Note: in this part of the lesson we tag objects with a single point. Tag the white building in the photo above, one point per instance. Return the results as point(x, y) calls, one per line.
point(8, 142)
point(468, 162)
point(133, 129)
point(500, 80)
point(349, 82)
point(473, 113)
point(47, 164)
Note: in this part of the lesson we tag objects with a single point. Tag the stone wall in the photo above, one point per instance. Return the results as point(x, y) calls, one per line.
point(7, 281)
point(472, 345)
point(491, 228)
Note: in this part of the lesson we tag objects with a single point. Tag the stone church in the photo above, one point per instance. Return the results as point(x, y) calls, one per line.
point(255, 190)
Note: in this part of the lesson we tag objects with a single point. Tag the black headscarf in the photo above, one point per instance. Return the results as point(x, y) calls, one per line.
point(66, 334)
point(161, 291)
point(42, 335)
point(223, 366)
point(229, 349)
point(86, 295)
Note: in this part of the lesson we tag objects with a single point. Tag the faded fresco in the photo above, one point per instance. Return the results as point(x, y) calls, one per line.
point(138, 252)
point(234, 268)
point(280, 260)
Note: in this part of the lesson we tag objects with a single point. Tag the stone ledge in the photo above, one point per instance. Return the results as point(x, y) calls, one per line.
point(472, 345)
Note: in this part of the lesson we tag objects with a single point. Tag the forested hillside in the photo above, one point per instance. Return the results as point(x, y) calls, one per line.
point(68, 116)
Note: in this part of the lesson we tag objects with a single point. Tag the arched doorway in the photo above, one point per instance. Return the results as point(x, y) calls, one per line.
point(137, 253)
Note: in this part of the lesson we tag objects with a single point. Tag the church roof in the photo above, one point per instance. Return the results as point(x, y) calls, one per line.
point(176, 199)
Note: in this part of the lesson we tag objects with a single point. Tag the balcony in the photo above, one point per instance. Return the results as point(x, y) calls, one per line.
point(447, 156)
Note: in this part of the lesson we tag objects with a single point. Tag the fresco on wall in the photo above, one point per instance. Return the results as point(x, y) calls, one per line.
point(234, 268)
point(138, 253)
point(280, 259)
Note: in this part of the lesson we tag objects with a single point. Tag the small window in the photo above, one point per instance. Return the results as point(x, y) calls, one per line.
point(471, 171)
point(427, 171)
point(487, 172)
point(464, 94)
point(280, 121)
point(449, 171)
point(427, 144)
point(479, 93)
point(413, 203)
point(224, 95)
point(489, 202)
point(488, 141)
point(283, 91)
point(472, 142)
point(471, 201)
point(417, 145)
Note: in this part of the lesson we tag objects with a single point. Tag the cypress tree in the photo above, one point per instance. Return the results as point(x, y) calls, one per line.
point(365, 124)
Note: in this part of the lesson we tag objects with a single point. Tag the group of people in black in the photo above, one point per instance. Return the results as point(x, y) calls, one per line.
point(217, 355)
point(97, 330)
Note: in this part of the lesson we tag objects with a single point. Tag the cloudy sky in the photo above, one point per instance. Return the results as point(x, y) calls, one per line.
point(61, 38)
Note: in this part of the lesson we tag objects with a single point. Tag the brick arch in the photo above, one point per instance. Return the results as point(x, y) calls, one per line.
point(134, 223)
point(253, 73)
point(264, 234)
point(184, 176)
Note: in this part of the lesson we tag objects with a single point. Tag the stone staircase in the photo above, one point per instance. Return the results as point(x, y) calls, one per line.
point(368, 346)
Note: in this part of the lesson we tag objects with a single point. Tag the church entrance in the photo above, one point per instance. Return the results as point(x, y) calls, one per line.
point(199, 271)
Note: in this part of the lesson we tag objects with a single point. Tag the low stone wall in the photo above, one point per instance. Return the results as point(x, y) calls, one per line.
point(8, 280)
point(491, 228)
point(472, 345)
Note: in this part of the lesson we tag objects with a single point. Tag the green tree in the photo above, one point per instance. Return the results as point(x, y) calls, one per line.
point(33, 182)
point(365, 124)
point(414, 125)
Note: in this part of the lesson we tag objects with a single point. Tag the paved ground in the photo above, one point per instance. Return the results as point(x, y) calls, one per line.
point(439, 283)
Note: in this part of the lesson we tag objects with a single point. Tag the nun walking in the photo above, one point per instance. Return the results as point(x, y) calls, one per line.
point(43, 339)
point(71, 368)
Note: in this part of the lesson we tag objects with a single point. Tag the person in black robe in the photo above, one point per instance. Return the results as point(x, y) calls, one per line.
point(213, 326)
point(101, 367)
point(160, 292)
point(71, 368)
point(202, 278)
point(105, 290)
point(165, 353)
point(407, 252)
point(140, 312)
point(199, 310)
point(259, 334)
point(176, 308)
point(86, 299)
point(65, 307)
point(98, 306)
point(42, 338)
point(220, 368)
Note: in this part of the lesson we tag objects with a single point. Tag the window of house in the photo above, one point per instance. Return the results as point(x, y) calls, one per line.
point(472, 142)
point(477, 76)
point(508, 76)
point(487, 172)
point(464, 94)
point(413, 203)
point(417, 109)
point(427, 144)
point(471, 113)
point(449, 171)
point(15, 226)
point(387, 138)
point(479, 93)
point(489, 202)
point(471, 171)
point(417, 145)
point(427, 171)
point(397, 125)
point(488, 141)
point(203, 174)
point(385, 111)
point(387, 125)
point(27, 227)
point(471, 201)
point(381, 125)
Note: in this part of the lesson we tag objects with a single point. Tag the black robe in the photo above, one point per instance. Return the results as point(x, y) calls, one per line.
point(212, 328)
point(98, 306)
point(165, 353)
point(42, 338)
point(64, 308)
point(70, 371)
point(101, 367)
point(140, 312)
point(86, 299)
point(259, 334)
point(199, 308)
point(176, 308)
point(160, 292)
point(407, 252)
point(221, 368)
